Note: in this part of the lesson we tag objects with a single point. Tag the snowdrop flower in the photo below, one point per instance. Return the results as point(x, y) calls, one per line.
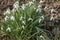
point(6, 18)
point(21, 18)
point(42, 17)
point(23, 22)
point(30, 3)
point(42, 37)
point(38, 10)
point(40, 20)
point(7, 11)
point(8, 29)
point(1, 28)
point(13, 10)
point(12, 18)
point(41, 1)
point(23, 26)
point(53, 10)
point(39, 6)
point(30, 19)
point(52, 18)
point(23, 6)
point(16, 5)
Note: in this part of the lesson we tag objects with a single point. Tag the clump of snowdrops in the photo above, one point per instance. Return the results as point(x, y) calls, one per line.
point(25, 22)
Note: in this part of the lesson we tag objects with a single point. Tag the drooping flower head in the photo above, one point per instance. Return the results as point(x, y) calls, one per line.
point(12, 18)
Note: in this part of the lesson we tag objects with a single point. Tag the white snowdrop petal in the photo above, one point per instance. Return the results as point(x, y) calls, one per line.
point(7, 11)
point(23, 6)
point(6, 18)
point(30, 19)
point(12, 18)
point(23, 22)
point(42, 17)
point(8, 29)
point(42, 37)
point(21, 18)
point(38, 10)
point(23, 26)
point(1, 28)
point(39, 6)
point(13, 10)
point(53, 10)
point(30, 3)
point(40, 20)
point(51, 18)
point(41, 1)
point(16, 5)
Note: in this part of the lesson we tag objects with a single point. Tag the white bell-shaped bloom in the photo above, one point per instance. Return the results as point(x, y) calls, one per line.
point(21, 18)
point(16, 5)
point(23, 6)
point(52, 18)
point(39, 6)
point(12, 18)
point(13, 10)
point(53, 10)
point(38, 10)
point(42, 37)
point(41, 1)
point(6, 18)
point(30, 3)
point(23, 22)
point(40, 20)
point(30, 19)
point(1, 28)
point(42, 17)
point(7, 11)
point(8, 29)
point(23, 26)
